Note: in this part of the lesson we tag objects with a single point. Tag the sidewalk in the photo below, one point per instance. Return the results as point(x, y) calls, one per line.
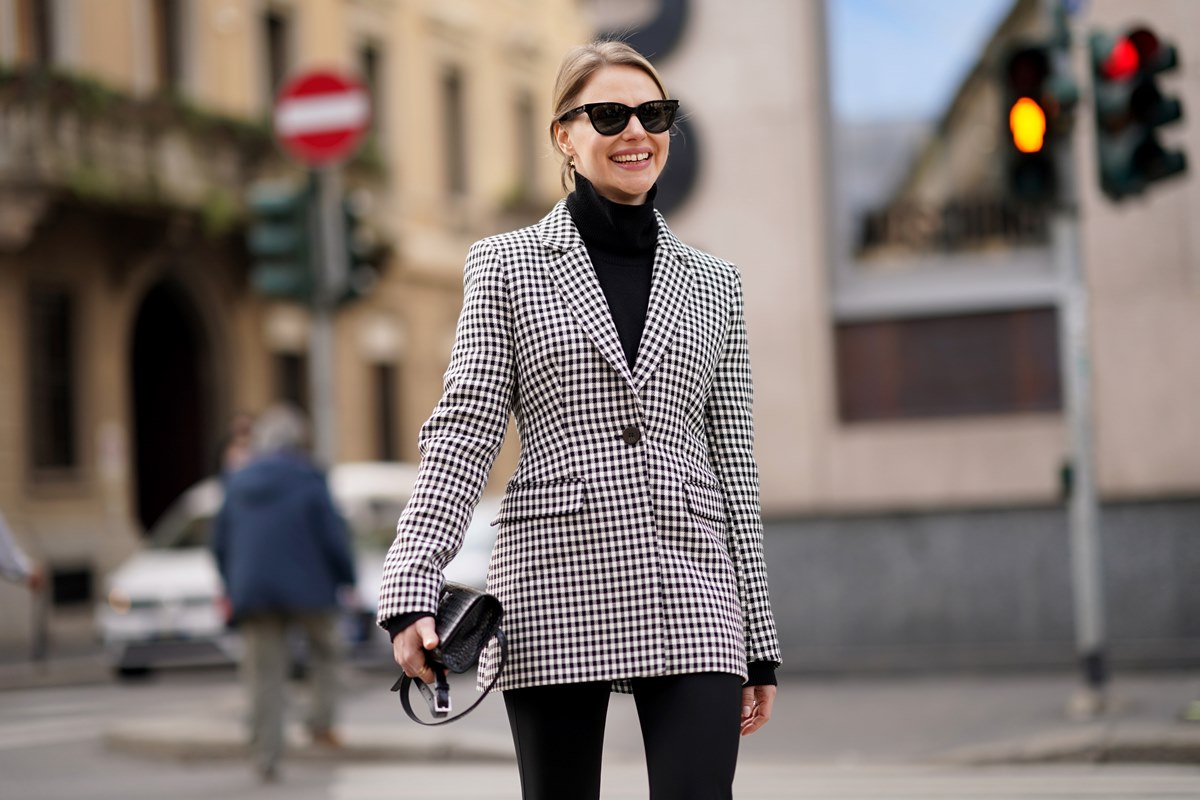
point(947, 719)
point(80, 667)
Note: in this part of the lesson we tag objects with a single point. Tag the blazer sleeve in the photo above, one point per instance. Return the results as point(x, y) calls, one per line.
point(730, 427)
point(458, 443)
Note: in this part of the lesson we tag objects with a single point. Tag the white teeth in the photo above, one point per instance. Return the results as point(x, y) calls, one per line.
point(630, 158)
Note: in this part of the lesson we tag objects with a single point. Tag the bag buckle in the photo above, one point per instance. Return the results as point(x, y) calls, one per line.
point(438, 697)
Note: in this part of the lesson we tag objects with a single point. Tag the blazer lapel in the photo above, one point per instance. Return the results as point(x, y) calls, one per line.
point(670, 285)
point(575, 277)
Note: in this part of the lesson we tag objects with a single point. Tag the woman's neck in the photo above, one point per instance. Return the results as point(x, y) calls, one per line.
point(616, 227)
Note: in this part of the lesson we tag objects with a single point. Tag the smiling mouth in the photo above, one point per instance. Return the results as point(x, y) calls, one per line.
point(631, 158)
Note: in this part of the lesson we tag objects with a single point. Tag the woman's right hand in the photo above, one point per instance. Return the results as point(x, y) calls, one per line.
point(409, 646)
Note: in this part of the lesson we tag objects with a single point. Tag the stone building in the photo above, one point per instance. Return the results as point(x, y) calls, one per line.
point(130, 131)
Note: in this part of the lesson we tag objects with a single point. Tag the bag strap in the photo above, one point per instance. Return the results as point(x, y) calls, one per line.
point(439, 696)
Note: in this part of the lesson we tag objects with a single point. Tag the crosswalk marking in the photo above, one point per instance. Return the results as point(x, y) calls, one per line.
point(783, 782)
point(42, 732)
point(39, 725)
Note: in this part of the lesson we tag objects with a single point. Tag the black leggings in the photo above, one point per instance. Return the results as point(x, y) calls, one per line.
point(690, 729)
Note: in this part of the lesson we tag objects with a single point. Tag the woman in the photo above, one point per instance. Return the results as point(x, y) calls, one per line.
point(629, 550)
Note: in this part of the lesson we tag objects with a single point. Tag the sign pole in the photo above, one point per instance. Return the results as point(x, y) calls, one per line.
point(320, 117)
point(1083, 513)
point(330, 277)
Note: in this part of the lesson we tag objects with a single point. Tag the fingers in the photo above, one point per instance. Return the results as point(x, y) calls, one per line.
point(757, 703)
point(409, 646)
point(427, 631)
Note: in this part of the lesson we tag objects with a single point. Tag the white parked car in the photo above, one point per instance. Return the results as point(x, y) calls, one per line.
point(165, 606)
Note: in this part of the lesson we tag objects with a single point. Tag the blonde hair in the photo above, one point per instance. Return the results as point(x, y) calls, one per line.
point(577, 68)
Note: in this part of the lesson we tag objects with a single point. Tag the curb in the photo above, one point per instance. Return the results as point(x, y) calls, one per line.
point(1125, 743)
point(216, 740)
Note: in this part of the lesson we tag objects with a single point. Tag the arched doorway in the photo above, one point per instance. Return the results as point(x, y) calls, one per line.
point(171, 404)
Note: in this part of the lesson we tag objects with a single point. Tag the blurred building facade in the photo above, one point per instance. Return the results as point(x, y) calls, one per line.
point(130, 131)
point(911, 433)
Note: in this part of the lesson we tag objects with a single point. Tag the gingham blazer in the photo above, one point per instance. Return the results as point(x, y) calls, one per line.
point(629, 540)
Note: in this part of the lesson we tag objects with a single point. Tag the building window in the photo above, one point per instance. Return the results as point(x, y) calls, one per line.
point(35, 32)
point(370, 65)
point(72, 585)
point(926, 237)
point(168, 44)
point(52, 379)
point(386, 412)
point(527, 144)
point(997, 363)
point(454, 115)
point(277, 46)
point(291, 379)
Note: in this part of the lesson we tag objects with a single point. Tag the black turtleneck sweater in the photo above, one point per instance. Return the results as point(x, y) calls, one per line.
point(620, 240)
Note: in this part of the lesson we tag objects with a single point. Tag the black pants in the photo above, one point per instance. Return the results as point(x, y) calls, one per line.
point(690, 729)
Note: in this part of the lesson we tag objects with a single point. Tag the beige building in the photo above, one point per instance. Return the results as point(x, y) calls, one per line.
point(130, 131)
point(911, 431)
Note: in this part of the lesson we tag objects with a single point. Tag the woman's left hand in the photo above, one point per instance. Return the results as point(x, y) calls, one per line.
point(757, 702)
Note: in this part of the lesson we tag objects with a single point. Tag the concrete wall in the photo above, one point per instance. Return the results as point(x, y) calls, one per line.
point(983, 588)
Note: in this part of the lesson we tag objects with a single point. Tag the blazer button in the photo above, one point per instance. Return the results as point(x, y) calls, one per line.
point(631, 435)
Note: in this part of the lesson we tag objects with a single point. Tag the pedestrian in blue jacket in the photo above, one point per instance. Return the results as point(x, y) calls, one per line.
point(283, 552)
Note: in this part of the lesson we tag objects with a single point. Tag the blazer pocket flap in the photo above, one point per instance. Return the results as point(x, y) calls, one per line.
point(705, 500)
point(540, 499)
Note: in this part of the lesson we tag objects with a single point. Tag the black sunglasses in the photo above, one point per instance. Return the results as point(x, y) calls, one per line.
point(609, 119)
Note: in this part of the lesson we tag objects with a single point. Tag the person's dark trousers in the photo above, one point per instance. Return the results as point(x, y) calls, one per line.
point(690, 729)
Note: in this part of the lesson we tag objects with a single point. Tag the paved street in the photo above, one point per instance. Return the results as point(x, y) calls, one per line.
point(792, 782)
point(861, 739)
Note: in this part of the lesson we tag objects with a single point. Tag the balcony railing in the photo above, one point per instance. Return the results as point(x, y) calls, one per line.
point(70, 136)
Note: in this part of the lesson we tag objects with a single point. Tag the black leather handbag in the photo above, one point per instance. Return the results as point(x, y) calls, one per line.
point(467, 619)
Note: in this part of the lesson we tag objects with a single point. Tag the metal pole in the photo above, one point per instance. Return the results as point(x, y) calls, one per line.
point(330, 275)
point(1083, 509)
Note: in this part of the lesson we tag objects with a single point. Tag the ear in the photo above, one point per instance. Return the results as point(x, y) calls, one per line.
point(563, 137)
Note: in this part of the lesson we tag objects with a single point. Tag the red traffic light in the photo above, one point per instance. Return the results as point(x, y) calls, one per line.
point(1123, 60)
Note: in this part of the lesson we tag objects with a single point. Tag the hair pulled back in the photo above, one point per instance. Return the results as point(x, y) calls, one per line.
point(577, 68)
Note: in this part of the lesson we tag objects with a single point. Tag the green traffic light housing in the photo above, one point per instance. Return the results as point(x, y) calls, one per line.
point(1038, 110)
point(364, 253)
point(1129, 108)
point(279, 240)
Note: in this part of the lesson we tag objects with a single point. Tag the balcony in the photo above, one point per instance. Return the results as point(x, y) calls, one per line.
point(65, 137)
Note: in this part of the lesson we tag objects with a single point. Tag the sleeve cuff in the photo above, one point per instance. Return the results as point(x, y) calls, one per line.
point(394, 625)
point(762, 673)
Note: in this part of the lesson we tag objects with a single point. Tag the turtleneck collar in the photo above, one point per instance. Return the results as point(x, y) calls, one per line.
point(613, 227)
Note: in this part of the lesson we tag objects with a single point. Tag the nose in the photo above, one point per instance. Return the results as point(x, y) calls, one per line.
point(633, 128)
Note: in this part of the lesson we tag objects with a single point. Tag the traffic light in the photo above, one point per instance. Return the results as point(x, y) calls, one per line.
point(363, 252)
point(279, 240)
point(1037, 111)
point(1129, 110)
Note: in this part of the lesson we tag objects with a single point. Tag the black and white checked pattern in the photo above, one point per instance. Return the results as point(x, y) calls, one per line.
point(613, 559)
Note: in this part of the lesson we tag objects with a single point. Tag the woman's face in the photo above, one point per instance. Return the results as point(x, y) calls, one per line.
point(621, 167)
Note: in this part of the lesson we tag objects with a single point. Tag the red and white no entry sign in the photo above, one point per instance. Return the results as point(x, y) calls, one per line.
point(321, 116)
